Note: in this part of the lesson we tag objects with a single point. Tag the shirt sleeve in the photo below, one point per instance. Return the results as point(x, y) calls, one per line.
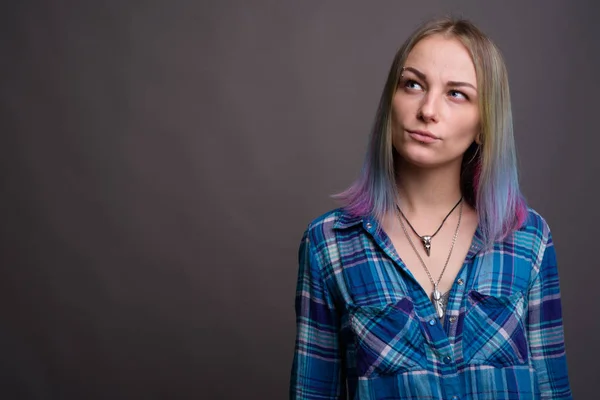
point(545, 329)
point(317, 369)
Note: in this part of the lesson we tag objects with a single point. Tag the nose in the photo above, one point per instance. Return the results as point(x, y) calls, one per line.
point(428, 112)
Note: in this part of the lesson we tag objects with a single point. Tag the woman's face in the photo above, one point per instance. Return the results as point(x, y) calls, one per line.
point(435, 113)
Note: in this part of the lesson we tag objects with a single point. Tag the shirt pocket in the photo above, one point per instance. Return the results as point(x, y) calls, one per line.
point(494, 332)
point(387, 339)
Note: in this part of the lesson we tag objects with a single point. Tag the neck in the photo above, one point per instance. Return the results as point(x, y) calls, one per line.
point(428, 190)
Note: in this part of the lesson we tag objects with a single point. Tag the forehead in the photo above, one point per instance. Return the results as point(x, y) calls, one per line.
point(440, 57)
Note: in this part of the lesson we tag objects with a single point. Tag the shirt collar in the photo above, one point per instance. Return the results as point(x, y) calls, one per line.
point(347, 220)
point(476, 244)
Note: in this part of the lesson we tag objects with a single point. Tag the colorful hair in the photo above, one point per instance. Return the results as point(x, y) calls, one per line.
point(489, 179)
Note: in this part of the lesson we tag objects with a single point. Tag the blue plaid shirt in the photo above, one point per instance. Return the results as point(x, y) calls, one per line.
point(367, 330)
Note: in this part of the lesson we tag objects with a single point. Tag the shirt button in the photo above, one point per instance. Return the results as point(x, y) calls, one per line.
point(452, 319)
point(368, 225)
point(432, 322)
point(455, 398)
point(447, 360)
point(460, 282)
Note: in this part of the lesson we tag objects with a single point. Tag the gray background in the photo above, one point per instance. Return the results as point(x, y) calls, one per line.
point(161, 159)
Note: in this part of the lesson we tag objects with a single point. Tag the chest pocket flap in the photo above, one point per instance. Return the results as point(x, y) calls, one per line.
point(493, 331)
point(388, 338)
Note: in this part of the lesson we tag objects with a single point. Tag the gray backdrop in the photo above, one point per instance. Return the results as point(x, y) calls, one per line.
point(161, 159)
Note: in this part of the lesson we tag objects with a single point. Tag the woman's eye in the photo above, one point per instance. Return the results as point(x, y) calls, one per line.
point(410, 84)
point(458, 95)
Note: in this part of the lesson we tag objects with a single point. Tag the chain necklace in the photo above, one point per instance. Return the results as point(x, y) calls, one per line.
point(436, 296)
point(426, 239)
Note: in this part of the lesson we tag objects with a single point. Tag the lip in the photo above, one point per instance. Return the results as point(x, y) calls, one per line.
point(423, 136)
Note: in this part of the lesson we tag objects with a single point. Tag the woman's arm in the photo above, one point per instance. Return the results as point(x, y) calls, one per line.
point(317, 371)
point(545, 329)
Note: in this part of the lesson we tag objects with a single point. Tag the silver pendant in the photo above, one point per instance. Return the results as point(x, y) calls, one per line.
point(437, 302)
point(427, 244)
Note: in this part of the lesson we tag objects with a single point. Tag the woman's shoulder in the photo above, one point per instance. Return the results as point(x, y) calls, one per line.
point(325, 225)
point(535, 224)
point(533, 237)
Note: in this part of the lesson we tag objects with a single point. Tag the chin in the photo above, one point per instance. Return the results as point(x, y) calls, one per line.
point(422, 163)
point(420, 156)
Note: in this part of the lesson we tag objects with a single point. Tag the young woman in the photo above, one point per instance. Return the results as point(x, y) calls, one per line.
point(434, 280)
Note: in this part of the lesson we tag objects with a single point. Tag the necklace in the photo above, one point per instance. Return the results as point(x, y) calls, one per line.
point(436, 296)
point(426, 239)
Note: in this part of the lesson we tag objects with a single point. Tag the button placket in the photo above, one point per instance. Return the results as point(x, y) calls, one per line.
point(457, 292)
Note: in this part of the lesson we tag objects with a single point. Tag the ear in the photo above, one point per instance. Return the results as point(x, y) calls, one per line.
point(478, 139)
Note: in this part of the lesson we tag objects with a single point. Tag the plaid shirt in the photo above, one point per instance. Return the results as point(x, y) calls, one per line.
point(367, 330)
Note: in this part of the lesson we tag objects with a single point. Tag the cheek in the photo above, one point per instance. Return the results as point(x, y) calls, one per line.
point(467, 125)
point(396, 112)
point(401, 107)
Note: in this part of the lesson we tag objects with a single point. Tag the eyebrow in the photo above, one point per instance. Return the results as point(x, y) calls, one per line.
point(450, 83)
